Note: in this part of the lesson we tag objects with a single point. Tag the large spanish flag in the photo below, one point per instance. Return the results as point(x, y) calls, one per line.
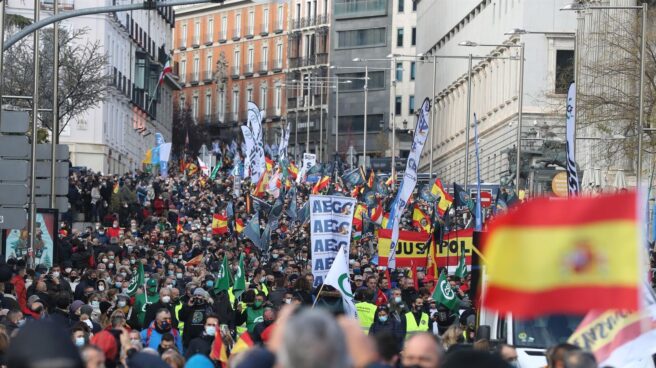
point(321, 185)
point(219, 224)
point(417, 216)
point(566, 256)
point(445, 198)
point(239, 225)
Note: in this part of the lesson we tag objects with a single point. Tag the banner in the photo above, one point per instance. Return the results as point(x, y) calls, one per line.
point(453, 244)
point(409, 178)
point(248, 149)
point(258, 161)
point(570, 133)
point(331, 220)
point(284, 142)
point(309, 160)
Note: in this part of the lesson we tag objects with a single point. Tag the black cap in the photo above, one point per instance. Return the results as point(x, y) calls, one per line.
point(55, 347)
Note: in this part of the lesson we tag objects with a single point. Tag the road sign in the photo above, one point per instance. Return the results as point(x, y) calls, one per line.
point(43, 169)
point(44, 202)
point(14, 170)
point(15, 122)
point(14, 146)
point(13, 194)
point(42, 186)
point(13, 218)
point(43, 152)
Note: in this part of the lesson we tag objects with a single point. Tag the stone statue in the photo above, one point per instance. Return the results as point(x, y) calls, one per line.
point(221, 71)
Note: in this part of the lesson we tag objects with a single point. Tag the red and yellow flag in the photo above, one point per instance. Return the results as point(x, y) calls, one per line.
point(269, 163)
point(391, 179)
point(219, 224)
point(219, 352)
point(417, 216)
point(376, 213)
point(115, 189)
point(566, 257)
point(195, 261)
point(358, 216)
point(244, 342)
point(178, 227)
point(372, 178)
point(261, 186)
point(292, 170)
point(445, 198)
point(321, 185)
point(239, 225)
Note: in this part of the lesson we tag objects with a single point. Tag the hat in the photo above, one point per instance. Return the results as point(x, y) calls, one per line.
point(199, 361)
point(75, 306)
point(358, 277)
point(33, 299)
point(152, 283)
point(200, 292)
point(86, 309)
point(121, 295)
point(107, 343)
point(54, 345)
point(146, 360)
point(429, 278)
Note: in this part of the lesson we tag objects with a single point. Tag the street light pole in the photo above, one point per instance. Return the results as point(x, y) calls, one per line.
point(520, 110)
point(469, 89)
point(2, 41)
point(55, 109)
point(307, 111)
point(321, 121)
point(642, 99)
point(337, 119)
point(432, 129)
point(393, 117)
point(35, 118)
point(366, 88)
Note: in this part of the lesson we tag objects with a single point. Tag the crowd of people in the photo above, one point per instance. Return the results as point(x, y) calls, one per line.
point(86, 310)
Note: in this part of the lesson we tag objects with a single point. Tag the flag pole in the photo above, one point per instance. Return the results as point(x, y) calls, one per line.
point(317, 298)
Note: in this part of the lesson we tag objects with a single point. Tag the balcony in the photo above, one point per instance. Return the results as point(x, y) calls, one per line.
point(248, 70)
point(264, 30)
point(223, 37)
point(208, 76)
point(263, 67)
point(250, 32)
point(236, 34)
point(277, 66)
point(360, 8)
point(322, 59)
point(209, 39)
point(235, 72)
point(182, 44)
point(273, 113)
point(196, 41)
point(294, 62)
point(192, 78)
point(278, 27)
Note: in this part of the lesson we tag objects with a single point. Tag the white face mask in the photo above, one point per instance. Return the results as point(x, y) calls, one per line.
point(166, 299)
point(121, 303)
point(288, 301)
point(55, 274)
point(28, 283)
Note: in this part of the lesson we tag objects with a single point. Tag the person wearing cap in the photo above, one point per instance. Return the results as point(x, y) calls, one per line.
point(151, 337)
point(366, 309)
point(385, 324)
point(194, 313)
point(141, 301)
point(165, 301)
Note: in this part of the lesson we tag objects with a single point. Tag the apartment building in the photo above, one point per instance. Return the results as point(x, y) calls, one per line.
point(114, 136)
point(228, 54)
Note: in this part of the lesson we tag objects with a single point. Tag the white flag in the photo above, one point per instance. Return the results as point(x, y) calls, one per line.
point(338, 277)
point(203, 168)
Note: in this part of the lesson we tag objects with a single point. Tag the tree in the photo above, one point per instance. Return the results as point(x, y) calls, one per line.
point(184, 125)
point(83, 80)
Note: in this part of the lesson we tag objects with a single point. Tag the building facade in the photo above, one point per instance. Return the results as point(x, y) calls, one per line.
point(308, 89)
point(228, 54)
point(549, 55)
point(114, 136)
point(361, 29)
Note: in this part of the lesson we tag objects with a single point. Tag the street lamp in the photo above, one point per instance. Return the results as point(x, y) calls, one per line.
point(641, 103)
point(520, 102)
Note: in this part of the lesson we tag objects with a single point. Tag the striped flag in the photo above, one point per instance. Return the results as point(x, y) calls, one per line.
point(219, 224)
point(570, 134)
point(445, 198)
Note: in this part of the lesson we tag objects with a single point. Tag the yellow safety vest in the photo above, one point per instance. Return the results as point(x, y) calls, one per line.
point(177, 316)
point(366, 315)
point(411, 326)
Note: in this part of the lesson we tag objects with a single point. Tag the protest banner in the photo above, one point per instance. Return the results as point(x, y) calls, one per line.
point(331, 220)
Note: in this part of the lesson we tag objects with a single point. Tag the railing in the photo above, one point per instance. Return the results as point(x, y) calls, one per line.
point(250, 32)
point(278, 26)
point(236, 34)
point(192, 77)
point(248, 69)
point(319, 19)
point(235, 71)
point(277, 65)
point(182, 43)
point(322, 58)
point(264, 30)
point(209, 38)
point(196, 41)
point(263, 67)
point(294, 62)
point(273, 113)
point(208, 75)
point(291, 102)
point(360, 8)
point(222, 37)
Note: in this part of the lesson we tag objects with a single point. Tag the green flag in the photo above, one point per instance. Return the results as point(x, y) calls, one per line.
point(240, 278)
point(461, 270)
point(223, 278)
point(216, 169)
point(443, 294)
point(137, 281)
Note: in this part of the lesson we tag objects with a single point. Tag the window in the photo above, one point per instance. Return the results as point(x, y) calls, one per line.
point(208, 105)
point(298, 11)
point(183, 71)
point(355, 123)
point(399, 72)
point(209, 67)
point(235, 63)
point(235, 104)
point(277, 99)
point(361, 38)
point(279, 18)
point(376, 81)
point(194, 107)
point(224, 27)
point(397, 105)
point(263, 97)
point(414, 5)
point(279, 55)
point(411, 104)
point(251, 22)
point(221, 107)
point(249, 63)
point(265, 57)
point(399, 37)
point(210, 30)
point(249, 95)
point(412, 70)
point(265, 20)
point(237, 25)
point(196, 69)
point(564, 70)
point(183, 41)
point(197, 33)
point(414, 36)
point(401, 5)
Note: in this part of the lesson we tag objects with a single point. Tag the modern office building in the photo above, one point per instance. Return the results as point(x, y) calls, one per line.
point(548, 68)
point(114, 136)
point(228, 54)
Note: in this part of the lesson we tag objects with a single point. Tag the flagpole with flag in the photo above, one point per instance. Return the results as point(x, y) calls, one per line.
point(166, 70)
point(338, 277)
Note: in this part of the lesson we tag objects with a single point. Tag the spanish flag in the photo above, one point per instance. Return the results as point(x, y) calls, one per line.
point(219, 224)
point(219, 352)
point(355, 192)
point(321, 185)
point(115, 189)
point(445, 198)
point(567, 257)
point(244, 342)
point(371, 180)
point(148, 159)
point(391, 179)
point(239, 225)
point(195, 261)
point(385, 220)
point(376, 213)
point(358, 215)
point(261, 186)
point(269, 163)
point(292, 170)
point(178, 227)
point(417, 216)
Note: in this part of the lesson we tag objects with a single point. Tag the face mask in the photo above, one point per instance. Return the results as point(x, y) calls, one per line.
point(95, 304)
point(397, 299)
point(133, 261)
point(274, 256)
point(105, 260)
point(111, 265)
point(210, 330)
point(124, 274)
point(257, 304)
point(68, 269)
point(161, 241)
point(179, 275)
point(356, 271)
point(165, 325)
point(111, 257)
point(166, 299)
point(170, 273)
point(383, 318)
point(101, 288)
point(21, 322)
point(79, 342)
point(121, 303)
point(118, 285)
point(262, 280)
point(101, 232)
point(114, 226)
point(209, 283)
point(55, 274)
point(288, 301)
point(135, 341)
